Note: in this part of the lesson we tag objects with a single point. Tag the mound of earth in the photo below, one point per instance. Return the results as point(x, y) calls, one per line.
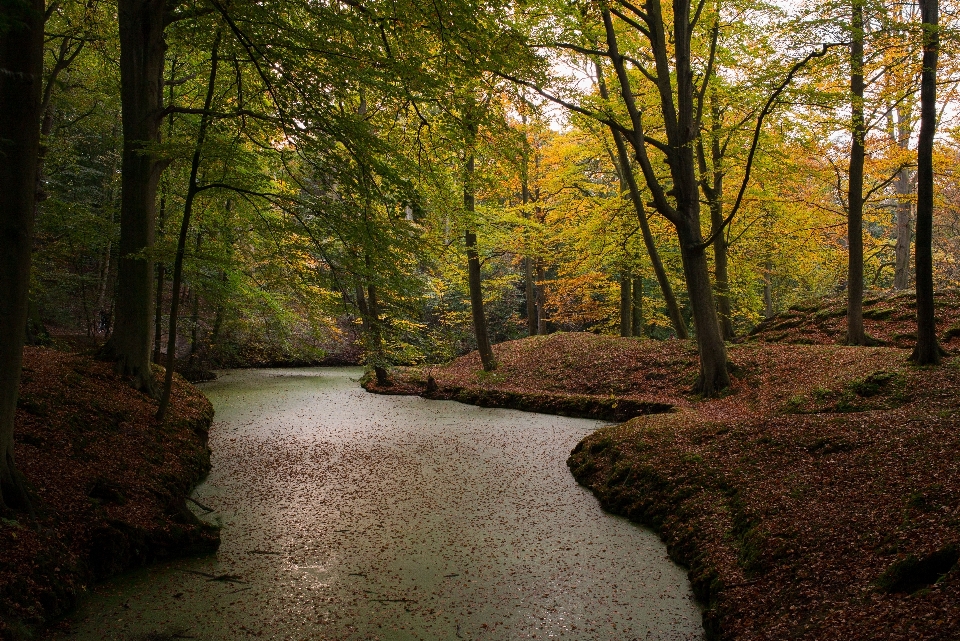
point(109, 481)
point(888, 317)
point(571, 374)
point(832, 512)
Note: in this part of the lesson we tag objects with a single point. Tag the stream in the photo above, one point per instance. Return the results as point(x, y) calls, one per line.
point(348, 515)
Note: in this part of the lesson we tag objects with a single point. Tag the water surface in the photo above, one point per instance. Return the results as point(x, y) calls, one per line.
point(353, 516)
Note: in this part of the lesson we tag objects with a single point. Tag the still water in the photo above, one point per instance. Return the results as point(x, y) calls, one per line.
point(352, 516)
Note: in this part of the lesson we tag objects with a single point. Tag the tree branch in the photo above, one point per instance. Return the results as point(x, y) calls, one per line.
point(819, 53)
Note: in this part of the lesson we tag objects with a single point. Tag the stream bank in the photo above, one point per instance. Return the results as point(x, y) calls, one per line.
point(109, 482)
point(818, 499)
point(347, 516)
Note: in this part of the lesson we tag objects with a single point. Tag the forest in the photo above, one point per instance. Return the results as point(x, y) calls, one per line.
point(190, 185)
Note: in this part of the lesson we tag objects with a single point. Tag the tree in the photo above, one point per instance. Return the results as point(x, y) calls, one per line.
point(625, 171)
point(858, 132)
point(680, 109)
point(21, 61)
point(193, 189)
point(927, 351)
point(481, 332)
point(142, 49)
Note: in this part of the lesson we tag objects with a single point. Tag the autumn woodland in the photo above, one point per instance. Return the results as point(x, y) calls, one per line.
point(733, 224)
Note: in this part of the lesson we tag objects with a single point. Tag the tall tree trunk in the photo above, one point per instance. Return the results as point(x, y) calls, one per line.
point(192, 191)
point(158, 315)
point(904, 188)
point(195, 311)
point(530, 293)
point(855, 332)
point(768, 289)
point(714, 375)
point(21, 61)
point(541, 301)
point(666, 289)
point(680, 119)
point(720, 246)
point(476, 303)
point(637, 316)
point(142, 49)
point(626, 306)
point(376, 334)
point(473, 258)
point(904, 227)
point(927, 351)
point(529, 286)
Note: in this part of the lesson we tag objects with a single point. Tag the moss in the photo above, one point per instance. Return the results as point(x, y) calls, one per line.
point(873, 384)
point(914, 573)
point(836, 312)
point(878, 313)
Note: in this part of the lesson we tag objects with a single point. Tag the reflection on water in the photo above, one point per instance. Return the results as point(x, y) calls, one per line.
point(352, 516)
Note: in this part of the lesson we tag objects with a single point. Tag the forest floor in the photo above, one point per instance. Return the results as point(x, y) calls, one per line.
point(109, 484)
point(818, 499)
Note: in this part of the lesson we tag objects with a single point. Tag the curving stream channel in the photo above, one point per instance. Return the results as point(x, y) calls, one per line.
point(353, 516)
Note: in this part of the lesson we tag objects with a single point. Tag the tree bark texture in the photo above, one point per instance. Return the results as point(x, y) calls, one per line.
point(21, 61)
point(637, 315)
point(480, 330)
point(904, 230)
point(142, 50)
point(530, 293)
point(768, 289)
point(855, 332)
point(927, 351)
point(542, 327)
point(720, 246)
point(626, 306)
point(714, 375)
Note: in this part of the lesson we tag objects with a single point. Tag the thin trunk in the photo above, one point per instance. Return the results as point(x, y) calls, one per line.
point(158, 315)
point(541, 301)
point(111, 197)
point(192, 190)
point(195, 311)
point(927, 351)
point(626, 301)
point(476, 304)
point(768, 289)
point(161, 275)
point(21, 61)
point(142, 49)
point(473, 260)
point(528, 284)
point(376, 335)
point(904, 189)
point(194, 326)
point(625, 171)
point(904, 227)
point(720, 246)
point(855, 332)
point(530, 293)
point(638, 307)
